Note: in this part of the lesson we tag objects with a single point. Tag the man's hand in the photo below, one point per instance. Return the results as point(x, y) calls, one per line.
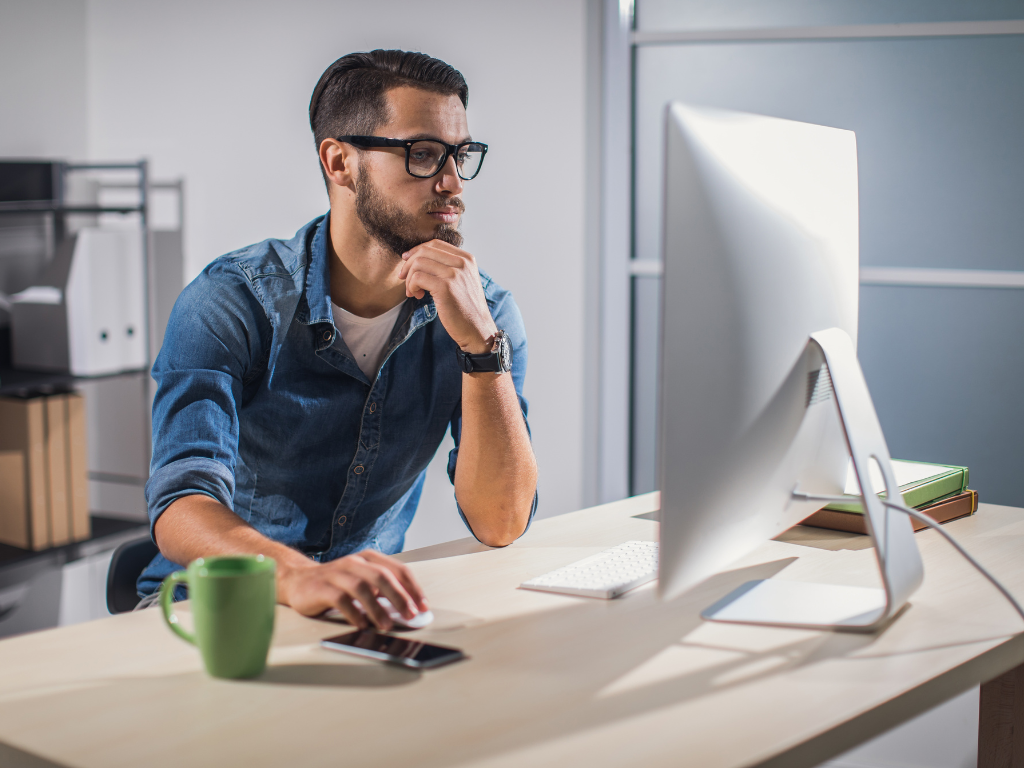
point(199, 526)
point(451, 276)
point(313, 588)
point(496, 475)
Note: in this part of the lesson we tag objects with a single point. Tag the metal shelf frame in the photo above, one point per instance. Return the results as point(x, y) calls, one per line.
point(60, 208)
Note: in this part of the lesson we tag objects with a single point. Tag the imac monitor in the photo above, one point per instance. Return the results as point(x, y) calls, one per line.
point(761, 395)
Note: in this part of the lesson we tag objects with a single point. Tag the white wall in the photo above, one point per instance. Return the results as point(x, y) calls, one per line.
point(218, 93)
point(42, 79)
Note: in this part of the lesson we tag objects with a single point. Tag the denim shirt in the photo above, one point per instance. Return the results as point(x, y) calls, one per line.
point(261, 405)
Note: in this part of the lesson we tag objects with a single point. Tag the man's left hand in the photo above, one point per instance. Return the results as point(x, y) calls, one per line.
point(451, 276)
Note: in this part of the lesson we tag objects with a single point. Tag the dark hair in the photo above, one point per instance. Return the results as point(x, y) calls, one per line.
point(350, 97)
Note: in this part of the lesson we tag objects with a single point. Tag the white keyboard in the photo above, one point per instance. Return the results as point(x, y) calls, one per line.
point(607, 574)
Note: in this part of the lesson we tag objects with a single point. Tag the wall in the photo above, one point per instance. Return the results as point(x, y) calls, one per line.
point(42, 114)
point(218, 93)
point(42, 79)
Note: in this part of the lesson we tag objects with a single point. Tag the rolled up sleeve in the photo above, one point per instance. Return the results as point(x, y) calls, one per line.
point(213, 338)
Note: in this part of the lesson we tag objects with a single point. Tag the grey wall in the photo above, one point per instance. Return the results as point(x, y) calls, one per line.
point(941, 159)
point(42, 114)
point(767, 14)
point(42, 79)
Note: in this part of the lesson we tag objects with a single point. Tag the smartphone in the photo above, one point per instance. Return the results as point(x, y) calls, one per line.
point(397, 650)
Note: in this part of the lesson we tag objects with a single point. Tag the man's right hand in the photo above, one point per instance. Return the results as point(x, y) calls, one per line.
point(312, 588)
point(199, 526)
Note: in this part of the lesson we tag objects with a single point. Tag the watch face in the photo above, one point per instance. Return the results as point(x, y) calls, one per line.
point(505, 353)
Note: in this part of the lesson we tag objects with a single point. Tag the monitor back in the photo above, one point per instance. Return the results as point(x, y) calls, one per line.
point(760, 250)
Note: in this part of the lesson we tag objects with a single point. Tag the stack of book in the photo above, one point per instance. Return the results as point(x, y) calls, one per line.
point(938, 490)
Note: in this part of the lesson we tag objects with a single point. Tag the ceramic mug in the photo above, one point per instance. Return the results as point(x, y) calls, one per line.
point(232, 600)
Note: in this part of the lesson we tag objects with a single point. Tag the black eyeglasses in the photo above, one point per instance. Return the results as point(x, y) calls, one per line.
point(425, 157)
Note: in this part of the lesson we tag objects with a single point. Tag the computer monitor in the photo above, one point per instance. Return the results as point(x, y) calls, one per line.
point(762, 401)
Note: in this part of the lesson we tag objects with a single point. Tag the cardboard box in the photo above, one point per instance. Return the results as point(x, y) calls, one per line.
point(44, 494)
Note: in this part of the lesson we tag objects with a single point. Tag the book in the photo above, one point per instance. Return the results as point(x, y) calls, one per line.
point(943, 510)
point(920, 483)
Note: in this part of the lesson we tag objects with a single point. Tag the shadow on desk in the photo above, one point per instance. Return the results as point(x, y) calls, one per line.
point(339, 675)
point(443, 550)
point(578, 671)
point(10, 757)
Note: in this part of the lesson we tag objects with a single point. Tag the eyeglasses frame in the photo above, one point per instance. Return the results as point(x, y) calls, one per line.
point(449, 151)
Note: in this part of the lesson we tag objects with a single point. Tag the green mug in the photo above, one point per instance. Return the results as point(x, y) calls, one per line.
point(233, 601)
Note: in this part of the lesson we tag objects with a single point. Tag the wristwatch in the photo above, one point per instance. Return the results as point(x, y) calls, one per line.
point(498, 360)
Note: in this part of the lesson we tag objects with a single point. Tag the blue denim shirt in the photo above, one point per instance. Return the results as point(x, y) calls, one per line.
point(261, 405)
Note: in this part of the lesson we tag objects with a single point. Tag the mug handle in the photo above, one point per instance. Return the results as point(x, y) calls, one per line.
point(166, 603)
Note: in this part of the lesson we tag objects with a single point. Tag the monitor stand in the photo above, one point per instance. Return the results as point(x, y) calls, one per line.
point(825, 606)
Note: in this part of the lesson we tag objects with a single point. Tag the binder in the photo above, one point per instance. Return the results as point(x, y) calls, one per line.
point(44, 485)
point(78, 468)
point(56, 436)
point(14, 523)
point(22, 431)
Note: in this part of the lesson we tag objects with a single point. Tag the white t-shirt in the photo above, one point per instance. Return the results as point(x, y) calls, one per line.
point(366, 337)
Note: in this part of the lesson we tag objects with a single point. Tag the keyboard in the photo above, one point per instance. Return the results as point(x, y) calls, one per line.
point(607, 574)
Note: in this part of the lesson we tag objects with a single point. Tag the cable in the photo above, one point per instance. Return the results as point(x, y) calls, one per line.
point(921, 517)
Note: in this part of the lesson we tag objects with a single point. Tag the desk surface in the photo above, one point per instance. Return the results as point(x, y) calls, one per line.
point(552, 680)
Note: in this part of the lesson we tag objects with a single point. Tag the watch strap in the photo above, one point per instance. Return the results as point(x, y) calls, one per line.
point(486, 362)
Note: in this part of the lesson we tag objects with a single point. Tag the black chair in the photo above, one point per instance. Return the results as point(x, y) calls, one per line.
point(125, 566)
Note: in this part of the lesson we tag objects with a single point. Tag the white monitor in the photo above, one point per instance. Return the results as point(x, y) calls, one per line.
point(761, 393)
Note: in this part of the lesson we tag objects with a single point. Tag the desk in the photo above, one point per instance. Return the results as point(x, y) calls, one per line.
point(552, 680)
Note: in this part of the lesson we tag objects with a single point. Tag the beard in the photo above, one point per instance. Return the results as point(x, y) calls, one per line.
point(395, 229)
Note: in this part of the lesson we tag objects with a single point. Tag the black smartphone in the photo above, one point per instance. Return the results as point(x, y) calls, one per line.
point(397, 650)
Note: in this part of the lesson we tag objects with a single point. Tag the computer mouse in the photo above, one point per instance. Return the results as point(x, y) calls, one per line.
point(419, 621)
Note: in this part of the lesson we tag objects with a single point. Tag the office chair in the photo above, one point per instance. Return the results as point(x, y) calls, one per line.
point(126, 564)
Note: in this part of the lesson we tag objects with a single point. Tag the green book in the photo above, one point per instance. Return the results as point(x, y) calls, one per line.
point(920, 484)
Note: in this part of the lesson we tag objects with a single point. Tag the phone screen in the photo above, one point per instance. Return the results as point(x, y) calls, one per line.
point(400, 650)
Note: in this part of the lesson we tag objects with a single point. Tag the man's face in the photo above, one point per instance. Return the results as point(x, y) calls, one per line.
point(401, 211)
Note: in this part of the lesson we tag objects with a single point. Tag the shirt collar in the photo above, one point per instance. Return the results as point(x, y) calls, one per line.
point(318, 275)
point(318, 281)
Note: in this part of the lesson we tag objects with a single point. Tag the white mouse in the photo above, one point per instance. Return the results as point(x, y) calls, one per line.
point(419, 621)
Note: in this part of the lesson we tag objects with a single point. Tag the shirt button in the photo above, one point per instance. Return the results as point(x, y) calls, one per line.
point(327, 335)
point(373, 407)
point(341, 520)
point(359, 469)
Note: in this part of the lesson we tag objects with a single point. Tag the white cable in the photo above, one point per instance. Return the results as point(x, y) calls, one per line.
point(920, 516)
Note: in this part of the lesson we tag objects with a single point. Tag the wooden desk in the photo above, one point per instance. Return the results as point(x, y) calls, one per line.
point(552, 680)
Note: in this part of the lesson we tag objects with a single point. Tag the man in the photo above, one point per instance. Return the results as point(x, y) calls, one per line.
point(304, 386)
